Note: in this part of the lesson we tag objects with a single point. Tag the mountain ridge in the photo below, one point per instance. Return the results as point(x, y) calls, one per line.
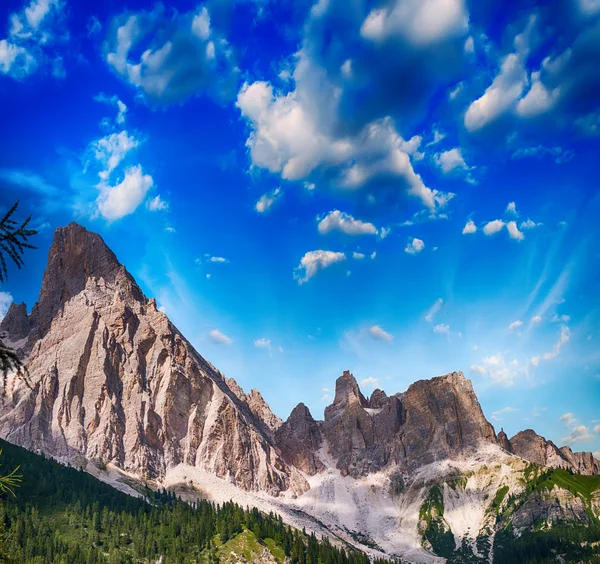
point(112, 380)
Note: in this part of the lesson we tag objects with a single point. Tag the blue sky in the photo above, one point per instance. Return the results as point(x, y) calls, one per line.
point(402, 188)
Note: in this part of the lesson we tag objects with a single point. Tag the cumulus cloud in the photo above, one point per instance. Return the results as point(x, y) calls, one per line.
point(529, 224)
point(117, 104)
point(500, 370)
point(262, 343)
point(507, 87)
point(32, 30)
point(451, 160)
point(340, 221)
point(597, 429)
point(219, 338)
point(209, 259)
point(419, 22)
point(469, 227)
point(369, 383)
point(266, 201)
point(568, 418)
point(511, 208)
point(536, 319)
point(119, 200)
point(313, 261)
point(515, 325)
point(415, 246)
point(378, 333)
point(169, 58)
point(493, 227)
point(324, 124)
point(358, 256)
point(441, 328)
point(112, 149)
point(158, 204)
point(513, 231)
point(578, 434)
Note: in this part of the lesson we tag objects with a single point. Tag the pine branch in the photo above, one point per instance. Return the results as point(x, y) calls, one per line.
point(13, 240)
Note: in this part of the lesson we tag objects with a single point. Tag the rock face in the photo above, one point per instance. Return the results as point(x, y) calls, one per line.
point(16, 322)
point(432, 420)
point(535, 448)
point(112, 378)
point(299, 439)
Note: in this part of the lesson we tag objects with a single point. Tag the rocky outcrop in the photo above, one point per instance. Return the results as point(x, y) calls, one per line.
point(299, 439)
point(434, 419)
point(112, 378)
point(535, 448)
point(503, 441)
point(15, 323)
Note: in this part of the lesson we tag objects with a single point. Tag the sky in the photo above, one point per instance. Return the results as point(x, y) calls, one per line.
point(403, 188)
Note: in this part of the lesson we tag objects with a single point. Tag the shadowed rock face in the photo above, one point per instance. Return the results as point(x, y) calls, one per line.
point(535, 448)
point(299, 439)
point(112, 378)
point(16, 322)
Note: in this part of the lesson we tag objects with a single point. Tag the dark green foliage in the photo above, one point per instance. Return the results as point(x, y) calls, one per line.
point(562, 543)
point(64, 515)
point(13, 242)
point(436, 530)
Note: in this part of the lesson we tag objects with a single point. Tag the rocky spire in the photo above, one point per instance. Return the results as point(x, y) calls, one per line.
point(347, 394)
point(15, 323)
point(75, 256)
point(299, 438)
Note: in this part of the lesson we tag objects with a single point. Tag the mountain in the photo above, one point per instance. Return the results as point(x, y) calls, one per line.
point(114, 387)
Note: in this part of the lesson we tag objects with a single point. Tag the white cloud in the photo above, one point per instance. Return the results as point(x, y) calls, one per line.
point(373, 255)
point(507, 87)
point(32, 29)
point(266, 201)
point(358, 256)
point(568, 418)
point(511, 208)
point(378, 333)
point(111, 150)
point(578, 434)
point(515, 324)
point(529, 224)
point(5, 301)
point(441, 328)
point(157, 204)
point(560, 318)
point(536, 319)
point(597, 429)
point(263, 344)
point(292, 135)
point(563, 339)
point(219, 338)
point(496, 414)
point(500, 370)
point(450, 160)
point(493, 227)
point(313, 261)
point(211, 259)
point(513, 231)
point(534, 361)
point(182, 55)
point(437, 305)
point(339, 221)
point(470, 227)
point(115, 202)
point(384, 232)
point(369, 383)
point(538, 100)
point(415, 246)
point(419, 22)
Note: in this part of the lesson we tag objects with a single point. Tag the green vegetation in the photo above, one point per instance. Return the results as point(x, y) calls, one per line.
point(433, 526)
point(63, 515)
point(498, 499)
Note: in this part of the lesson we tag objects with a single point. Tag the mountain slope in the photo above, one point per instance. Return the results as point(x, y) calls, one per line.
point(112, 378)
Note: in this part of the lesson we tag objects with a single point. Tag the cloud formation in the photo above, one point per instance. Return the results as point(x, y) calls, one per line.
point(314, 261)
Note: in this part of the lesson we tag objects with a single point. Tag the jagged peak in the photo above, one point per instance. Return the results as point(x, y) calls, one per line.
point(75, 256)
point(301, 411)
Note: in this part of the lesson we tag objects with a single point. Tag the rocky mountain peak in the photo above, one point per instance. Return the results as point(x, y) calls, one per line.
point(16, 322)
point(299, 438)
point(347, 393)
point(76, 256)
